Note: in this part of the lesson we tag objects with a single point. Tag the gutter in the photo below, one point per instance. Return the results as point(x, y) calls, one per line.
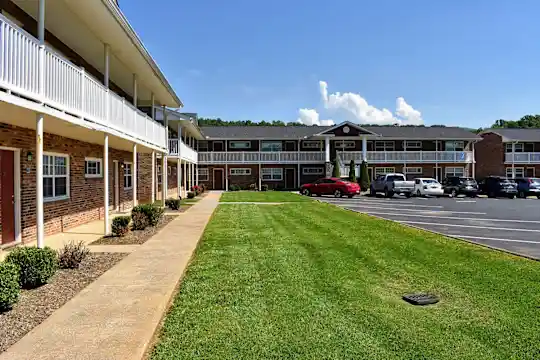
point(114, 9)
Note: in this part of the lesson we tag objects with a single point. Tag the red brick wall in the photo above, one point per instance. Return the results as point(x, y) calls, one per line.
point(489, 155)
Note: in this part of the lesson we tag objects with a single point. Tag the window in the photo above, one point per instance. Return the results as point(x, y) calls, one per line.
point(518, 147)
point(92, 168)
point(412, 170)
point(271, 146)
point(169, 170)
point(203, 145)
point(240, 144)
point(55, 177)
point(454, 146)
point(454, 171)
point(519, 172)
point(384, 146)
point(412, 144)
point(272, 174)
point(311, 144)
point(203, 174)
point(312, 171)
point(159, 174)
point(240, 171)
point(128, 175)
point(384, 170)
point(344, 144)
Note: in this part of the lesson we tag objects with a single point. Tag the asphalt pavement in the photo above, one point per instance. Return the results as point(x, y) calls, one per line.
point(507, 224)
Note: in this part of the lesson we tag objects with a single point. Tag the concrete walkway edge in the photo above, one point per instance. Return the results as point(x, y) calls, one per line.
point(116, 316)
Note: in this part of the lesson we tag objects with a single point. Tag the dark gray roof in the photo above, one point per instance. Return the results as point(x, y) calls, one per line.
point(532, 135)
point(298, 132)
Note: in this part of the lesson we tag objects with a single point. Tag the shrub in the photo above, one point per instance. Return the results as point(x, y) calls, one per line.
point(72, 254)
point(264, 187)
point(190, 195)
point(36, 266)
point(364, 177)
point(174, 204)
point(252, 187)
point(120, 225)
point(139, 220)
point(153, 212)
point(9, 285)
point(352, 171)
point(335, 171)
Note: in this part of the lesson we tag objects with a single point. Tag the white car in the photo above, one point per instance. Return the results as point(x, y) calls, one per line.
point(427, 186)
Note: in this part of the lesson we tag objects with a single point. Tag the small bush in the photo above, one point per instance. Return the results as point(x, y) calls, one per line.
point(364, 176)
point(72, 254)
point(174, 204)
point(190, 195)
point(352, 172)
point(36, 266)
point(335, 170)
point(139, 221)
point(120, 225)
point(153, 212)
point(252, 187)
point(9, 285)
point(264, 187)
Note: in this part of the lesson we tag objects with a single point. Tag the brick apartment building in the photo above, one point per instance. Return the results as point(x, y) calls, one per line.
point(287, 156)
point(509, 152)
point(74, 143)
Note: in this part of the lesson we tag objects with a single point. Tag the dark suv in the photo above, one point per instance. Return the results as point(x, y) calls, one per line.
point(498, 186)
point(456, 185)
point(528, 187)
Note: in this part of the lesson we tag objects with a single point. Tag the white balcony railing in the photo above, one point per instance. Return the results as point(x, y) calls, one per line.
point(250, 157)
point(522, 158)
point(399, 157)
point(67, 87)
point(186, 153)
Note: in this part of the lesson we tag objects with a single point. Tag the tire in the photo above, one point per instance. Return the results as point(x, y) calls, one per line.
point(408, 195)
point(350, 196)
point(418, 194)
point(306, 192)
point(522, 195)
point(388, 193)
point(338, 193)
point(511, 196)
point(538, 196)
point(372, 191)
point(491, 194)
point(473, 195)
point(453, 193)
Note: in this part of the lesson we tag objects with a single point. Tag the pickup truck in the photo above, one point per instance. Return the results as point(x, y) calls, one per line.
point(391, 184)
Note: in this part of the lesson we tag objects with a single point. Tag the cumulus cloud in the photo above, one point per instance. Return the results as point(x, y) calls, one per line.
point(311, 117)
point(356, 109)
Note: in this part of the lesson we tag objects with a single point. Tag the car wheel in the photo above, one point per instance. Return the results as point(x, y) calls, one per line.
point(408, 195)
point(306, 192)
point(453, 193)
point(372, 191)
point(350, 196)
point(418, 193)
point(538, 196)
point(338, 194)
point(522, 194)
point(386, 193)
point(511, 196)
point(491, 194)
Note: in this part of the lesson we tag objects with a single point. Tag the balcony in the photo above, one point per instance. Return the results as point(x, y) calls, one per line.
point(400, 157)
point(186, 153)
point(68, 88)
point(522, 158)
point(256, 157)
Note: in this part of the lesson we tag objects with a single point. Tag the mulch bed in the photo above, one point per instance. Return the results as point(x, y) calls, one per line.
point(36, 305)
point(135, 237)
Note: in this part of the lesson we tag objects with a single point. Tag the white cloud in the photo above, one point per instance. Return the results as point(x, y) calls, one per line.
point(311, 117)
point(407, 112)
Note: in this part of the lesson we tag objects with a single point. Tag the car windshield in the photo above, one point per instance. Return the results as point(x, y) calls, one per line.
point(468, 181)
point(430, 181)
point(395, 178)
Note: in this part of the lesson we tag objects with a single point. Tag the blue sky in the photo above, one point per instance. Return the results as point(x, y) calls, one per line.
point(461, 62)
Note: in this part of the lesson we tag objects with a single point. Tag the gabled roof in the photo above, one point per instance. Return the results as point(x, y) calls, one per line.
point(360, 129)
point(510, 135)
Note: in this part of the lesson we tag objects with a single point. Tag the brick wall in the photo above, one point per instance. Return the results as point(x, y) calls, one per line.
point(489, 155)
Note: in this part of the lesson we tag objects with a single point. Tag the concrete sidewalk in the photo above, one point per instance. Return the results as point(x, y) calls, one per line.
point(116, 316)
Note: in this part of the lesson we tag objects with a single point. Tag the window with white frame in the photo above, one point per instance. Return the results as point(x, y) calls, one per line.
point(344, 144)
point(93, 168)
point(159, 174)
point(240, 171)
point(128, 175)
point(412, 144)
point(518, 147)
point(384, 146)
point(454, 145)
point(311, 144)
point(312, 171)
point(272, 174)
point(384, 170)
point(412, 170)
point(240, 144)
point(454, 171)
point(55, 177)
point(203, 174)
point(203, 145)
point(169, 170)
point(518, 172)
point(271, 146)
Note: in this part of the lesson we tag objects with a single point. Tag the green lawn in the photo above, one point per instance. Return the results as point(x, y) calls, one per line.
point(262, 196)
point(311, 281)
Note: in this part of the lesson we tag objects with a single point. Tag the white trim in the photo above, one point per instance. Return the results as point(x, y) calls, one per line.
point(513, 174)
point(350, 124)
point(97, 160)
point(272, 172)
point(453, 172)
point(385, 170)
point(17, 191)
point(248, 142)
point(241, 171)
point(307, 144)
point(413, 170)
point(63, 197)
point(203, 174)
point(344, 144)
point(124, 175)
point(417, 144)
point(320, 172)
point(222, 177)
point(222, 145)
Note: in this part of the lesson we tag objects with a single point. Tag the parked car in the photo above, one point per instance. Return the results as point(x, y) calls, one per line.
point(391, 184)
point(528, 187)
point(331, 186)
point(498, 186)
point(458, 185)
point(427, 187)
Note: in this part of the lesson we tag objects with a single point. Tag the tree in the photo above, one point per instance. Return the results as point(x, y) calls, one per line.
point(364, 177)
point(352, 171)
point(335, 172)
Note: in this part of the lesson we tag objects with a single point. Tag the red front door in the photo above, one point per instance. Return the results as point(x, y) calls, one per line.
point(7, 196)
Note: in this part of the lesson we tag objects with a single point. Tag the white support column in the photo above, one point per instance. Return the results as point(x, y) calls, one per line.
point(260, 177)
point(327, 149)
point(179, 139)
point(473, 161)
point(41, 55)
point(134, 175)
point(153, 177)
point(226, 177)
point(185, 179)
point(39, 182)
point(298, 180)
point(166, 125)
point(179, 177)
point(196, 167)
point(106, 60)
point(513, 157)
point(135, 88)
point(106, 227)
point(405, 157)
point(164, 174)
point(364, 148)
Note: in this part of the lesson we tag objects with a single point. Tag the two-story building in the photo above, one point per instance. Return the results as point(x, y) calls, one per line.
point(74, 143)
point(509, 152)
point(287, 156)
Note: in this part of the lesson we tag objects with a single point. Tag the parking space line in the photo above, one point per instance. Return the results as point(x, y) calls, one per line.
point(416, 210)
point(388, 203)
point(452, 217)
point(497, 239)
point(465, 226)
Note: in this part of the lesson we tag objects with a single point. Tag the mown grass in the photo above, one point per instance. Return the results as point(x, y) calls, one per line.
point(311, 281)
point(262, 196)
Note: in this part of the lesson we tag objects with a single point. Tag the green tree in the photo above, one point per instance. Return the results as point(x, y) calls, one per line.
point(352, 171)
point(335, 172)
point(364, 177)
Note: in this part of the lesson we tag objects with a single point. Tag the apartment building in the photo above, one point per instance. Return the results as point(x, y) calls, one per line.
point(285, 157)
point(509, 152)
point(74, 143)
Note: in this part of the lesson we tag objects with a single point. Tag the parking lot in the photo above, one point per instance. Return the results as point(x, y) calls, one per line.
point(509, 224)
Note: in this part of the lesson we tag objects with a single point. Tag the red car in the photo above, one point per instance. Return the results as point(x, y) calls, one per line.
point(331, 186)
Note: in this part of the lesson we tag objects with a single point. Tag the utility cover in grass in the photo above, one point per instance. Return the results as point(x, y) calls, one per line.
point(421, 299)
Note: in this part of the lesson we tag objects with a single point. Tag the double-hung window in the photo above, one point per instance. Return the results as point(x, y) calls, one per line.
point(271, 146)
point(412, 170)
point(412, 144)
point(93, 168)
point(128, 175)
point(311, 144)
point(272, 174)
point(344, 144)
point(159, 174)
point(203, 174)
point(384, 170)
point(240, 144)
point(518, 147)
point(312, 171)
point(454, 146)
point(519, 171)
point(55, 177)
point(384, 146)
point(454, 171)
point(240, 171)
